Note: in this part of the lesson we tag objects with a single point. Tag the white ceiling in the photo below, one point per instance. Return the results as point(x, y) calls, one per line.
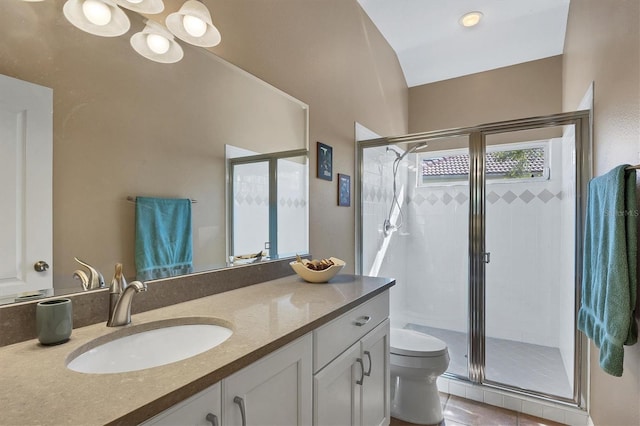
point(431, 45)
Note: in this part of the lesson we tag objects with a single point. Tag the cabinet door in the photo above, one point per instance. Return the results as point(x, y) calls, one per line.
point(274, 391)
point(202, 409)
point(336, 390)
point(375, 387)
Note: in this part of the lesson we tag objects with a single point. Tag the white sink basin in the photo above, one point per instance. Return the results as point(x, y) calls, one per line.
point(150, 345)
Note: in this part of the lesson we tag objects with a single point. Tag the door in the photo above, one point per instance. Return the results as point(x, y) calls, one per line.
point(530, 283)
point(376, 387)
point(336, 390)
point(251, 208)
point(415, 227)
point(273, 391)
point(26, 150)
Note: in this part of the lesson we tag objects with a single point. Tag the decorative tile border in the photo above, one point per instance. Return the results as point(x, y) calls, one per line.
point(376, 194)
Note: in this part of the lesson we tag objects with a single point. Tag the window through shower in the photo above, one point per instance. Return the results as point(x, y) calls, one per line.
point(480, 227)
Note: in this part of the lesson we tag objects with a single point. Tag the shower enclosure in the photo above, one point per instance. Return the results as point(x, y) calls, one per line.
point(482, 229)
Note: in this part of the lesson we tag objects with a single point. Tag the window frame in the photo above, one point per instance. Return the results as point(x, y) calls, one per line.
point(443, 180)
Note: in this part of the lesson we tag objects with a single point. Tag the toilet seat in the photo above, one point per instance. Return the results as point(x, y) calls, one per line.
point(412, 343)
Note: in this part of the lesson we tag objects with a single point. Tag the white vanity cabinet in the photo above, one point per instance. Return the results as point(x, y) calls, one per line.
point(274, 391)
point(336, 375)
point(352, 388)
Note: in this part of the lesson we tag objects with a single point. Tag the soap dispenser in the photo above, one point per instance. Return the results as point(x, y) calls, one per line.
point(118, 284)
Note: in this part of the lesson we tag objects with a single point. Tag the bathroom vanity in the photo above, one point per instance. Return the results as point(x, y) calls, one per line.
point(298, 351)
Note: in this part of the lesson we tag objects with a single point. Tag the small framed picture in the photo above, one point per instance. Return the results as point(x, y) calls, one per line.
point(344, 190)
point(325, 161)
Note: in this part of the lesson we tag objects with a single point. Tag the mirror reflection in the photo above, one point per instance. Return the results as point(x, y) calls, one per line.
point(125, 126)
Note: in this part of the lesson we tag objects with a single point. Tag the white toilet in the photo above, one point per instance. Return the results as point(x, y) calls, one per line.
point(417, 360)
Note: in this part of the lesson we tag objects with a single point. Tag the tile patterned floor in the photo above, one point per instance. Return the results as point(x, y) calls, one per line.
point(524, 365)
point(463, 412)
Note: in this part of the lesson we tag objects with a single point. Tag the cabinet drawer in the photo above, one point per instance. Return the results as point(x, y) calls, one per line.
point(335, 337)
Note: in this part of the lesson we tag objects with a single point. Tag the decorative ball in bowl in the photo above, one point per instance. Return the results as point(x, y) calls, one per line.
point(317, 271)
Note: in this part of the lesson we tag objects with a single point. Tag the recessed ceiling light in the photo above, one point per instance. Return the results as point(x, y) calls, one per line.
point(470, 19)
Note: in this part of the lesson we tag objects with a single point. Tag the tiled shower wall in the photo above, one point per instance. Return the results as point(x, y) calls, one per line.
point(529, 234)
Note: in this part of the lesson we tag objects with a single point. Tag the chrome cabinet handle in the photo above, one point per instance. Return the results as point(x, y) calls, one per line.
point(359, 361)
point(41, 266)
point(363, 320)
point(212, 418)
point(240, 403)
point(368, 354)
point(486, 257)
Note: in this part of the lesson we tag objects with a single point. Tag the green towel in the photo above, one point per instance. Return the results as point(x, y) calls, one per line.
point(609, 266)
point(163, 237)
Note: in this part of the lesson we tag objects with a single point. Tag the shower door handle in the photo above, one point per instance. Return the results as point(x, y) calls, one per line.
point(486, 257)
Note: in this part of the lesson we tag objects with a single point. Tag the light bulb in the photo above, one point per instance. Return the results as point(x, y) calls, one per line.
point(195, 26)
point(158, 44)
point(471, 19)
point(96, 12)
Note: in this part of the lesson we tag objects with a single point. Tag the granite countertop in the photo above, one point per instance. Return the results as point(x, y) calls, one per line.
point(37, 388)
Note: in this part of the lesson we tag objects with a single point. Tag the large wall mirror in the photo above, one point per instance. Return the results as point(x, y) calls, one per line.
point(124, 126)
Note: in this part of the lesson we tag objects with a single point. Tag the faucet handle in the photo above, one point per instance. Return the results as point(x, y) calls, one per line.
point(95, 278)
point(118, 283)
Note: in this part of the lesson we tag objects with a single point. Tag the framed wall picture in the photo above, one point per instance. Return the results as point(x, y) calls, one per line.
point(344, 190)
point(325, 161)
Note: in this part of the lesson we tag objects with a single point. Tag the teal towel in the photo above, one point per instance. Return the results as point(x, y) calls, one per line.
point(609, 266)
point(163, 237)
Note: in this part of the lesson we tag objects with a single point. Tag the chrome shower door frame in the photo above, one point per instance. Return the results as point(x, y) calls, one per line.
point(478, 256)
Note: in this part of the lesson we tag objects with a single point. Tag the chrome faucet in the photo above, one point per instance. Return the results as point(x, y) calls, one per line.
point(120, 304)
point(89, 282)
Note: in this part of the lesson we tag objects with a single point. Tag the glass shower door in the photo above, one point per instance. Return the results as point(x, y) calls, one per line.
point(530, 185)
point(269, 207)
point(251, 217)
point(415, 228)
point(486, 257)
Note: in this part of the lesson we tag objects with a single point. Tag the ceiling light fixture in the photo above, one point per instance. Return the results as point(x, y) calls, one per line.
point(155, 42)
point(98, 17)
point(470, 19)
point(193, 24)
point(142, 6)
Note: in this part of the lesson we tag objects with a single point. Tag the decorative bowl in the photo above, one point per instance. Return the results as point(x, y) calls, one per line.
point(312, 276)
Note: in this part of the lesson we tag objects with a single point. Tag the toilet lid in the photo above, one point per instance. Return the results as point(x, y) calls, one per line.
point(412, 343)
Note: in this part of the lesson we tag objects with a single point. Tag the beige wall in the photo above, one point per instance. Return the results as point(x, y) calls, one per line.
point(525, 90)
point(603, 45)
point(328, 54)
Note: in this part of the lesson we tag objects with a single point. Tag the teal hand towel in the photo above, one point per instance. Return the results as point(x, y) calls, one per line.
point(163, 237)
point(609, 266)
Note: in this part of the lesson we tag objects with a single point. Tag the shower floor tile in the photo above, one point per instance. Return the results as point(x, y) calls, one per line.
point(523, 365)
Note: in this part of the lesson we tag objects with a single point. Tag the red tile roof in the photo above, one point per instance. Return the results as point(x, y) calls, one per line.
point(458, 165)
